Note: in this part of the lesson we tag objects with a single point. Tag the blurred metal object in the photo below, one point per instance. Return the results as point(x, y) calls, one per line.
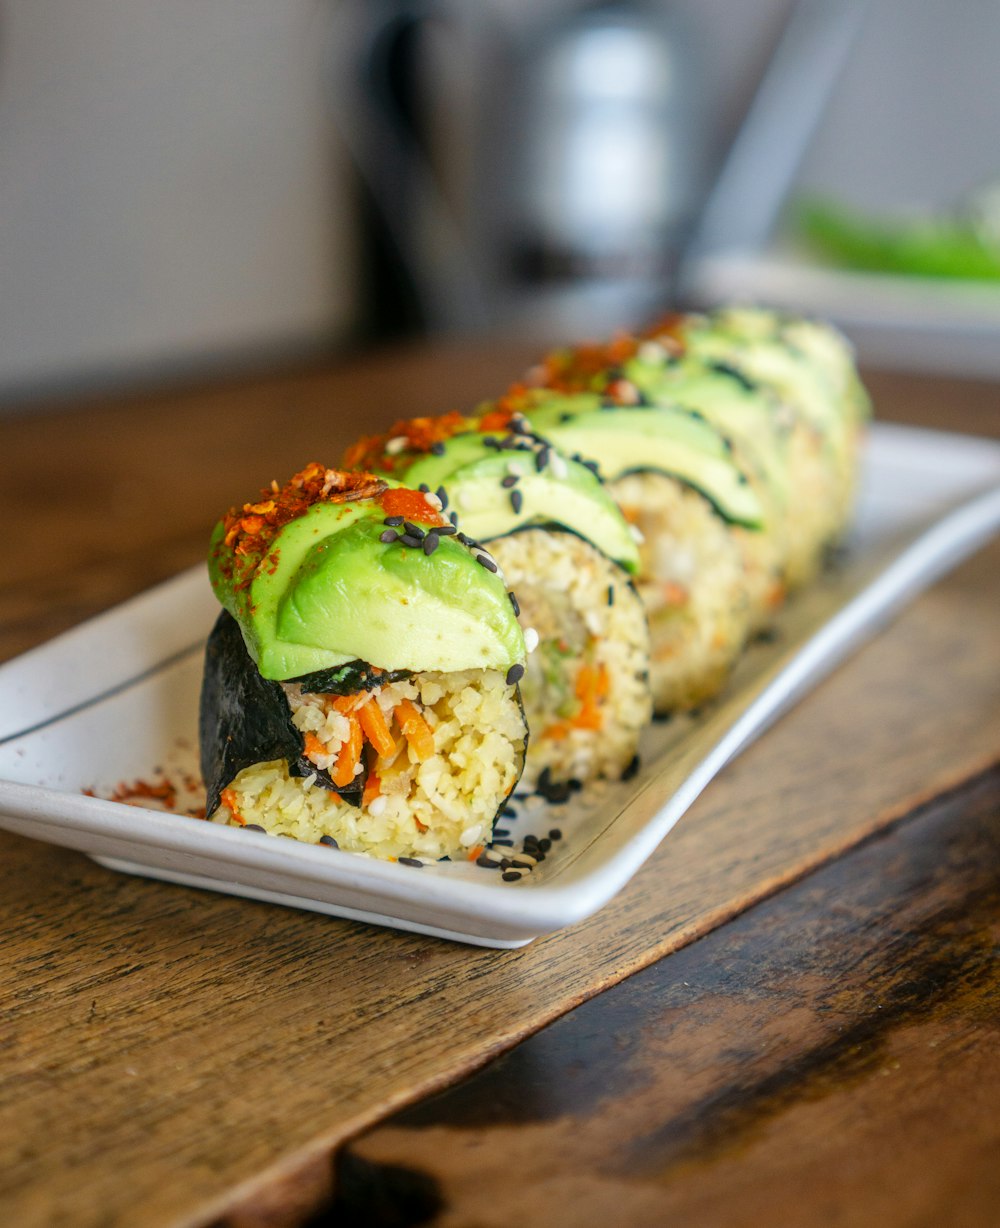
point(749, 193)
point(530, 174)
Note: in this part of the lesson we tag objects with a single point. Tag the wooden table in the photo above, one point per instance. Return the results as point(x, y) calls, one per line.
point(789, 1016)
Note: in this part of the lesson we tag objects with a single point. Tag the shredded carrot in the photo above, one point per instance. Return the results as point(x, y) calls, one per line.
point(350, 703)
point(591, 686)
point(415, 729)
point(347, 758)
point(476, 852)
point(373, 788)
point(375, 728)
point(313, 747)
point(674, 593)
point(228, 799)
point(556, 731)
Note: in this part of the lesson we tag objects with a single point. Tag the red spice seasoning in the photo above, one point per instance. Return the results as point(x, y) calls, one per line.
point(250, 529)
point(391, 449)
point(411, 505)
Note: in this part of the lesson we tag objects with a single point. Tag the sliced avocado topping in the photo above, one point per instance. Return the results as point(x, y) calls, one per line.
point(754, 343)
point(498, 489)
point(745, 411)
point(672, 440)
point(331, 591)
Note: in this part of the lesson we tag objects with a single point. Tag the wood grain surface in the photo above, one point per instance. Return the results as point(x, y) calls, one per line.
point(171, 1057)
point(830, 1057)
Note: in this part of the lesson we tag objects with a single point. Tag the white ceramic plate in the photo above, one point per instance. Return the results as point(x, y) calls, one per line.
point(116, 700)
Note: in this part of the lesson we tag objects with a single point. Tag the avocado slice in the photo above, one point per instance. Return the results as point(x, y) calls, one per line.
point(329, 591)
point(745, 411)
point(542, 488)
point(669, 439)
point(765, 347)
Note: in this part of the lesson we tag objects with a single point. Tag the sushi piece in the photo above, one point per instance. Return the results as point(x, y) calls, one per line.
point(361, 684)
point(808, 366)
point(677, 480)
point(568, 554)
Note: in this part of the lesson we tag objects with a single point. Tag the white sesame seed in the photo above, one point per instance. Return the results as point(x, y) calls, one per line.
point(434, 502)
point(396, 445)
point(637, 534)
point(558, 466)
point(516, 469)
point(530, 639)
point(471, 834)
point(377, 806)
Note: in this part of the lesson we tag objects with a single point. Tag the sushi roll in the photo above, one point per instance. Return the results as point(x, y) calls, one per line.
point(678, 480)
point(568, 554)
point(361, 683)
point(808, 366)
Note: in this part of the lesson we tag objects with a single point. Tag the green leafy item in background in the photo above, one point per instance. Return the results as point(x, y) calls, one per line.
point(932, 247)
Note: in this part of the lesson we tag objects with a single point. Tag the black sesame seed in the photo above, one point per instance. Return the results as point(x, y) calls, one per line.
point(453, 517)
point(394, 521)
point(499, 833)
point(515, 674)
point(507, 844)
point(505, 863)
point(545, 844)
point(574, 785)
point(538, 855)
point(511, 876)
point(516, 500)
point(466, 541)
point(520, 864)
point(445, 530)
point(409, 540)
point(487, 862)
point(513, 602)
point(565, 417)
point(253, 827)
point(555, 834)
point(329, 842)
point(410, 861)
point(486, 561)
point(593, 466)
point(510, 480)
point(509, 812)
point(424, 488)
point(611, 594)
point(388, 535)
point(491, 441)
point(414, 530)
point(542, 457)
point(431, 543)
point(632, 769)
point(442, 495)
point(437, 449)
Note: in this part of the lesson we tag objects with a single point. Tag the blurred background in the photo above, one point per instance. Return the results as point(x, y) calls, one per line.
point(202, 186)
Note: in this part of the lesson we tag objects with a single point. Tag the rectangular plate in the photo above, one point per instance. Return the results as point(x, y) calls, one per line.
point(116, 700)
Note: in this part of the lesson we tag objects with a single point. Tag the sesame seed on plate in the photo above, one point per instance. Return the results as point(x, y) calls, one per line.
point(530, 639)
point(410, 861)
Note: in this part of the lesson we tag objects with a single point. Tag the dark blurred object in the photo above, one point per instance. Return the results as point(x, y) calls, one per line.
point(524, 174)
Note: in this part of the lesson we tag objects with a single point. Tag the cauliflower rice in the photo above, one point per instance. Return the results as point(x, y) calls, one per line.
point(586, 690)
point(443, 805)
point(693, 583)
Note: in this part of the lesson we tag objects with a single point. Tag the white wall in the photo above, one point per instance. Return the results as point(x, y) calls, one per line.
point(170, 185)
